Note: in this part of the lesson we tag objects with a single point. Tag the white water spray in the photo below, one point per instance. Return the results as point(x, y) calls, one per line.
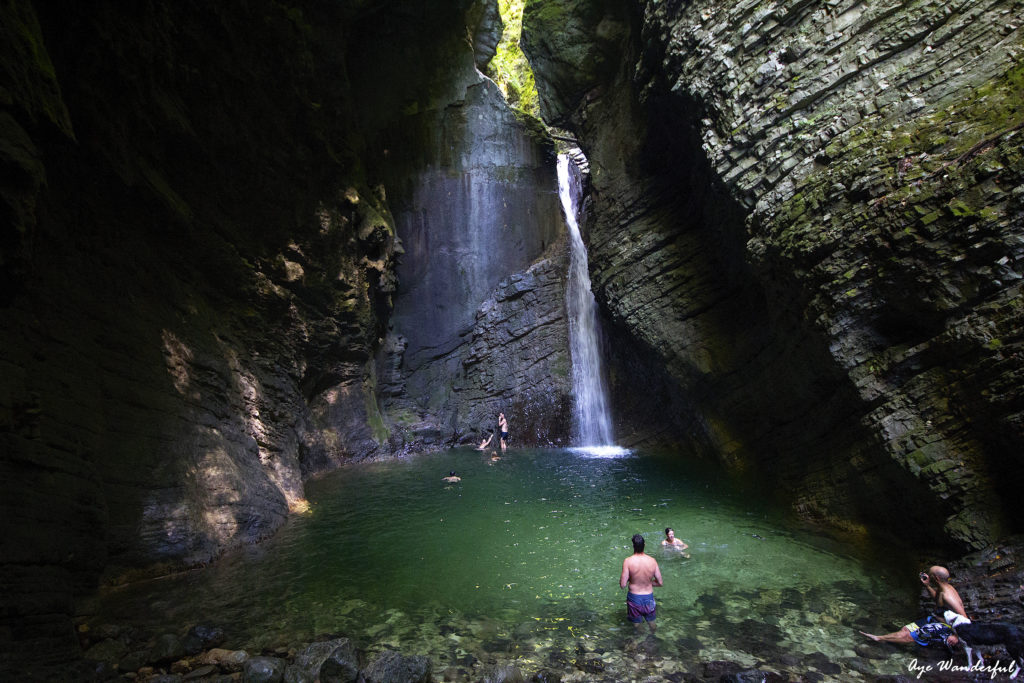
point(593, 422)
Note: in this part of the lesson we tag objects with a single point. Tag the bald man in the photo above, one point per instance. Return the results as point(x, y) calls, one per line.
point(929, 631)
point(945, 596)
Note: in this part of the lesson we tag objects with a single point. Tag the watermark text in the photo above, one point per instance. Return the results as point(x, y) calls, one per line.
point(996, 669)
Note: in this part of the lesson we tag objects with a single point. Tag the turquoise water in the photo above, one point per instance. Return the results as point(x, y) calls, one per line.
point(521, 561)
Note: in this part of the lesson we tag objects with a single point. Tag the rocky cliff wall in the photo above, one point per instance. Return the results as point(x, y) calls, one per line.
point(478, 323)
point(512, 358)
point(198, 259)
point(476, 328)
point(812, 216)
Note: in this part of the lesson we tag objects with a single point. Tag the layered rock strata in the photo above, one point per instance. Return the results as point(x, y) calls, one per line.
point(812, 216)
point(478, 324)
point(198, 260)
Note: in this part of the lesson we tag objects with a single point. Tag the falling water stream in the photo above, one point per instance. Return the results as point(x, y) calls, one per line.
point(593, 421)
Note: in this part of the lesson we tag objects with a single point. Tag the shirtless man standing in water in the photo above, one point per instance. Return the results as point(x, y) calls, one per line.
point(503, 428)
point(641, 574)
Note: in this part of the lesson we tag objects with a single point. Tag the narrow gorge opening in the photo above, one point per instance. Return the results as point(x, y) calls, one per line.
point(272, 272)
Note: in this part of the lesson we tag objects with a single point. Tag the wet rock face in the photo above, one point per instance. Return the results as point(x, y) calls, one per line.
point(576, 46)
point(513, 358)
point(813, 223)
point(197, 271)
point(477, 325)
point(482, 209)
point(991, 582)
point(517, 360)
point(199, 258)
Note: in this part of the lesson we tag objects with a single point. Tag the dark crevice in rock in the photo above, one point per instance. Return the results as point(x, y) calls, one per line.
point(732, 238)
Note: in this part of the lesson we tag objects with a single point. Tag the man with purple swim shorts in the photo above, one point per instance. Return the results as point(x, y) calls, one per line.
point(641, 608)
point(640, 573)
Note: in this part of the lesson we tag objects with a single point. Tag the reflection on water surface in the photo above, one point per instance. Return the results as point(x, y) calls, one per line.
point(521, 560)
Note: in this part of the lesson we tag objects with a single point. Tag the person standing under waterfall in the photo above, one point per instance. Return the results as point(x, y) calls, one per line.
point(640, 574)
point(503, 428)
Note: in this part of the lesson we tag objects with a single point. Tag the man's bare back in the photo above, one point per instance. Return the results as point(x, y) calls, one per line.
point(640, 573)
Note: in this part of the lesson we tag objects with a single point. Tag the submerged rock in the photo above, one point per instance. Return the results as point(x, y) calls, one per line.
point(165, 678)
point(202, 637)
point(312, 658)
point(133, 661)
point(263, 670)
point(822, 663)
point(228, 660)
point(394, 667)
point(201, 673)
point(546, 676)
point(754, 676)
point(295, 674)
point(108, 651)
point(166, 648)
point(718, 669)
point(340, 666)
point(590, 664)
point(504, 673)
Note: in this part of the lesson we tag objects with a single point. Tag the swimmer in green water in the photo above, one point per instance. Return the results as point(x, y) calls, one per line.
point(670, 539)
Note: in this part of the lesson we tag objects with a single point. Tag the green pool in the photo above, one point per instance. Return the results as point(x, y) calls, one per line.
point(520, 561)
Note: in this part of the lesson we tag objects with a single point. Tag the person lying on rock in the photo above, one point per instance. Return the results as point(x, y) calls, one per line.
point(925, 632)
point(930, 630)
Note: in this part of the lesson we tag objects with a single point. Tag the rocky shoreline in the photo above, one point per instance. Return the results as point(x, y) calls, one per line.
point(991, 583)
point(170, 659)
point(118, 654)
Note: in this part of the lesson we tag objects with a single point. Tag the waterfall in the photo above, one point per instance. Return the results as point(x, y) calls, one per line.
point(593, 422)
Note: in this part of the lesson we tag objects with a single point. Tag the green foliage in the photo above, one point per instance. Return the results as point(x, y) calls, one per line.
point(30, 77)
point(374, 419)
point(509, 68)
point(546, 12)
